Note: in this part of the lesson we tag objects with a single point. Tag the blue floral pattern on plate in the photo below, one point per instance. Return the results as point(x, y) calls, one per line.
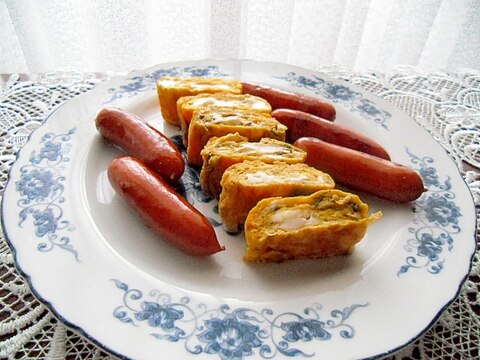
point(231, 333)
point(436, 220)
point(41, 188)
point(146, 82)
point(353, 100)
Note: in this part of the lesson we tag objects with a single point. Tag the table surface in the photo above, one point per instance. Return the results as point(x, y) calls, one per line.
point(446, 104)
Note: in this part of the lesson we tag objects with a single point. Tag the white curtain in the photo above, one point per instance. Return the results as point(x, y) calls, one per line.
point(120, 36)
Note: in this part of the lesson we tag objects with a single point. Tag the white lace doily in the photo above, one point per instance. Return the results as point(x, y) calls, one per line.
point(447, 105)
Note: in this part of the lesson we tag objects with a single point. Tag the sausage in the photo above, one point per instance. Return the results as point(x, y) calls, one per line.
point(136, 138)
point(301, 124)
point(364, 172)
point(167, 213)
point(289, 100)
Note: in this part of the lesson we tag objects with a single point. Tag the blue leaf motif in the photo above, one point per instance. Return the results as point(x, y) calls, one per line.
point(172, 338)
point(123, 317)
point(349, 310)
point(120, 285)
point(284, 348)
point(436, 268)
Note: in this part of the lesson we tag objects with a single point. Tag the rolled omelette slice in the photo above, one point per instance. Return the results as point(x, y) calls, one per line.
point(171, 88)
point(222, 152)
point(323, 224)
point(214, 122)
point(246, 183)
point(188, 104)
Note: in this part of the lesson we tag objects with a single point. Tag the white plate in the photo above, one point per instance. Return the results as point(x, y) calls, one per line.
point(101, 271)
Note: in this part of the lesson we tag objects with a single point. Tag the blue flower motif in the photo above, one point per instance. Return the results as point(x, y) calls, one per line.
point(442, 211)
point(430, 247)
point(305, 330)
point(308, 83)
point(163, 317)
point(368, 107)
point(158, 74)
point(50, 151)
point(136, 85)
point(37, 184)
point(340, 92)
point(229, 338)
point(429, 176)
point(44, 222)
point(199, 72)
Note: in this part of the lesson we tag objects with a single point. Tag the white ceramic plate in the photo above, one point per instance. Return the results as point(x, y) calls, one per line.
point(91, 260)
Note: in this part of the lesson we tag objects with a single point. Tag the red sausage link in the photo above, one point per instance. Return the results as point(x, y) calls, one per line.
point(364, 172)
point(163, 210)
point(136, 138)
point(289, 100)
point(301, 124)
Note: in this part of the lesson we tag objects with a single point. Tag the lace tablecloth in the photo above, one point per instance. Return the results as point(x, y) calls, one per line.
point(447, 105)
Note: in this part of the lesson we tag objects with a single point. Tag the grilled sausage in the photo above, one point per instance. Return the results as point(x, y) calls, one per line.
point(136, 138)
point(302, 124)
point(364, 172)
point(279, 99)
point(163, 210)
